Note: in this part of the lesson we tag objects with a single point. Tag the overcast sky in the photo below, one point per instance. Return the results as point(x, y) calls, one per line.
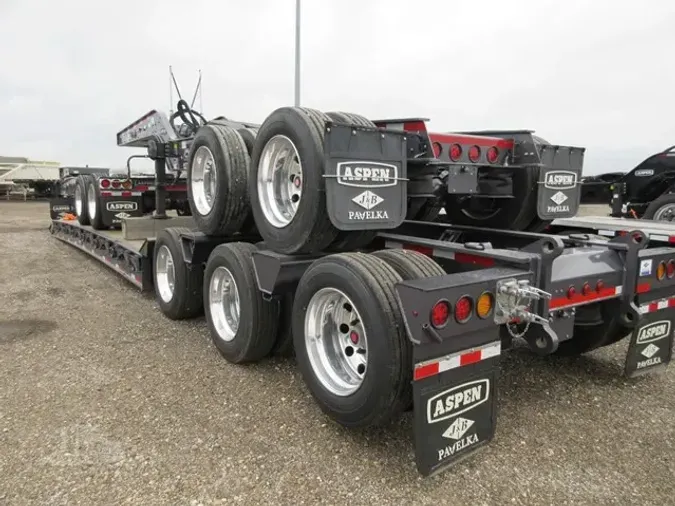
point(593, 73)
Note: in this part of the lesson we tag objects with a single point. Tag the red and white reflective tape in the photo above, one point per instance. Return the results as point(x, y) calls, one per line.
point(457, 256)
point(436, 366)
point(120, 194)
point(652, 307)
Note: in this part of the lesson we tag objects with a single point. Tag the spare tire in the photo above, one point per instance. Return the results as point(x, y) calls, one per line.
point(218, 167)
point(287, 189)
point(517, 213)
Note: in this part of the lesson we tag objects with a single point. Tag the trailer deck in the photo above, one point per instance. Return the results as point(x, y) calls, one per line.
point(129, 258)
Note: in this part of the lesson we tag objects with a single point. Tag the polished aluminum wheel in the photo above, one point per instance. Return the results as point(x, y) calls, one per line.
point(665, 213)
point(224, 304)
point(165, 274)
point(336, 342)
point(92, 208)
point(79, 205)
point(279, 181)
point(203, 179)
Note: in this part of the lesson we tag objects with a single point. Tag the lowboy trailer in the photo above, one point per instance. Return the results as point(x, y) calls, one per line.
point(331, 251)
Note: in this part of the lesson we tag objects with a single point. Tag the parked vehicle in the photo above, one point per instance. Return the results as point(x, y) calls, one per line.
point(317, 234)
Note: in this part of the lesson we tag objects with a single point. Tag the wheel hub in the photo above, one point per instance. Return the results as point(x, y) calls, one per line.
point(336, 342)
point(279, 181)
point(165, 273)
point(665, 213)
point(91, 202)
point(78, 200)
point(224, 303)
point(203, 180)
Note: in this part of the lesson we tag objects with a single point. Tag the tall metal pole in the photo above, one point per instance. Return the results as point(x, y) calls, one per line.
point(297, 53)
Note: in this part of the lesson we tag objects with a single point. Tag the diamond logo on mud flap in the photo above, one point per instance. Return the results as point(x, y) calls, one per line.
point(559, 198)
point(650, 351)
point(367, 199)
point(458, 428)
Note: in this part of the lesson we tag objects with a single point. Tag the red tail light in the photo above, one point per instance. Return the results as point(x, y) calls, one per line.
point(105, 183)
point(115, 184)
point(463, 309)
point(586, 289)
point(571, 292)
point(474, 153)
point(493, 155)
point(455, 152)
point(440, 314)
point(670, 268)
point(438, 149)
point(599, 286)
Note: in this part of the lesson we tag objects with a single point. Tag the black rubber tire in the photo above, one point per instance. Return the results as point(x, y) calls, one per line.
point(518, 213)
point(369, 282)
point(657, 204)
point(82, 183)
point(591, 337)
point(345, 240)
point(258, 319)
point(310, 230)
point(231, 204)
point(186, 301)
point(96, 220)
point(248, 136)
point(410, 265)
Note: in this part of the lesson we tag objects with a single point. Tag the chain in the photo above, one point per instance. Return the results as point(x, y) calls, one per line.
point(512, 328)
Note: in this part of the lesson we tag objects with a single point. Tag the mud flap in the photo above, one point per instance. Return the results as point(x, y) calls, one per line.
point(60, 206)
point(651, 344)
point(115, 209)
point(366, 177)
point(559, 188)
point(456, 409)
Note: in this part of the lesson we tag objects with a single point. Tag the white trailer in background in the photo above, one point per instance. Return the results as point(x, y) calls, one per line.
point(21, 176)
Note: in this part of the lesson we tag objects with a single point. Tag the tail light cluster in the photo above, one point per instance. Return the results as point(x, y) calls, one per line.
point(455, 152)
point(463, 309)
point(586, 289)
point(115, 184)
point(665, 270)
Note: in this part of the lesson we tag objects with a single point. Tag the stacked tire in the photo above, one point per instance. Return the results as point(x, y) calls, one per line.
point(342, 321)
point(88, 201)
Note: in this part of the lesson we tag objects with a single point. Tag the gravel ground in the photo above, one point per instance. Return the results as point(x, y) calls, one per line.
point(105, 401)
